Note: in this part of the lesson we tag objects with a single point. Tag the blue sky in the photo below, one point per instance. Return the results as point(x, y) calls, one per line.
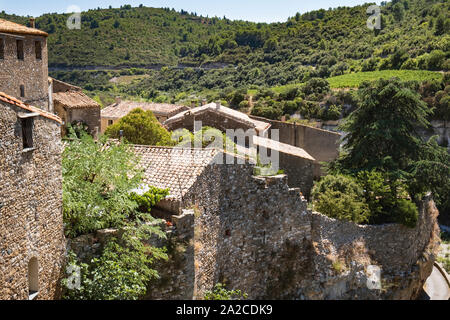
point(252, 10)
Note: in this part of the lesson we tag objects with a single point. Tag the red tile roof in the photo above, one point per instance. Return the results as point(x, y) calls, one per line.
point(74, 100)
point(15, 28)
point(15, 102)
point(176, 169)
point(121, 109)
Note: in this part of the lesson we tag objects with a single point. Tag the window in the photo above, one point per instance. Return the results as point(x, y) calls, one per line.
point(38, 50)
point(110, 122)
point(33, 279)
point(22, 91)
point(20, 49)
point(2, 49)
point(27, 132)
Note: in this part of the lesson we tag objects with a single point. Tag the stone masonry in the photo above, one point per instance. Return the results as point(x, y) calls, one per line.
point(32, 246)
point(31, 72)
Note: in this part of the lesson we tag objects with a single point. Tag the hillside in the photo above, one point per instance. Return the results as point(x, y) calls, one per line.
point(334, 41)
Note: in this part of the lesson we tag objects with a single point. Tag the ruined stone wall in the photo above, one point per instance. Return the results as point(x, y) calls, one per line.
point(256, 234)
point(30, 72)
point(31, 222)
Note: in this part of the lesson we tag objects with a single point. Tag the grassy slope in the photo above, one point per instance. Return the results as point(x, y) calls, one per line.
point(353, 80)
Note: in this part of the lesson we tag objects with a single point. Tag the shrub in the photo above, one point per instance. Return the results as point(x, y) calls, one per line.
point(141, 127)
point(221, 293)
point(340, 197)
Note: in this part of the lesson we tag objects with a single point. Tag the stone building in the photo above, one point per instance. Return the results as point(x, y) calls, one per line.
point(216, 116)
point(24, 63)
point(32, 244)
point(120, 109)
point(73, 106)
point(256, 234)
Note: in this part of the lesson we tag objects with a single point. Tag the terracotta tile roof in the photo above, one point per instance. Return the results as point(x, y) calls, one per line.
point(224, 112)
point(173, 168)
point(121, 109)
point(74, 100)
point(15, 28)
point(15, 102)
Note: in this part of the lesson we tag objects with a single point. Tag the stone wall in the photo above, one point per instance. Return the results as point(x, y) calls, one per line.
point(31, 222)
point(30, 72)
point(256, 234)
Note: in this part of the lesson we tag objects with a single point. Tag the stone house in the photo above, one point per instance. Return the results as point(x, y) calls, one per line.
point(73, 106)
point(24, 63)
point(216, 116)
point(113, 113)
point(32, 244)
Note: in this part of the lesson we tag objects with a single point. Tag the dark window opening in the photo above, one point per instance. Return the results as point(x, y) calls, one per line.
point(33, 279)
point(20, 55)
point(22, 91)
point(2, 49)
point(27, 133)
point(38, 50)
point(110, 122)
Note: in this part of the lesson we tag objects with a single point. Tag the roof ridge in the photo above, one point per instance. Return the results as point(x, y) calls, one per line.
point(17, 28)
point(14, 101)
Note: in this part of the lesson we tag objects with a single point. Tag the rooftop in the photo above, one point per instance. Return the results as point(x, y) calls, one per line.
point(122, 108)
point(15, 102)
point(224, 111)
point(74, 100)
point(176, 169)
point(15, 28)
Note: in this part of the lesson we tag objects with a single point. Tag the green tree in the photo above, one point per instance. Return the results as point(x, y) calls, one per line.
point(382, 131)
point(142, 128)
point(97, 179)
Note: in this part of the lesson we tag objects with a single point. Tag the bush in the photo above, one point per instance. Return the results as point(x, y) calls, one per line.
point(142, 128)
point(340, 197)
point(221, 293)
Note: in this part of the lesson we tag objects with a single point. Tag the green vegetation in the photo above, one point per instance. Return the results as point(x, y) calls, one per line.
point(98, 182)
point(340, 197)
point(354, 80)
point(142, 128)
point(221, 293)
point(387, 157)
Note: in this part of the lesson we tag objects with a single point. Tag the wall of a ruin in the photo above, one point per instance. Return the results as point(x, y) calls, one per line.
point(30, 72)
point(31, 222)
point(255, 234)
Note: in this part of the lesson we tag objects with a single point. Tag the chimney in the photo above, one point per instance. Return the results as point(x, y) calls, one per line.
point(204, 101)
point(118, 100)
point(193, 104)
point(33, 23)
point(218, 104)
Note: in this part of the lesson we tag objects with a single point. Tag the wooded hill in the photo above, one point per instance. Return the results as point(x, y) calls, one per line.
point(335, 41)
